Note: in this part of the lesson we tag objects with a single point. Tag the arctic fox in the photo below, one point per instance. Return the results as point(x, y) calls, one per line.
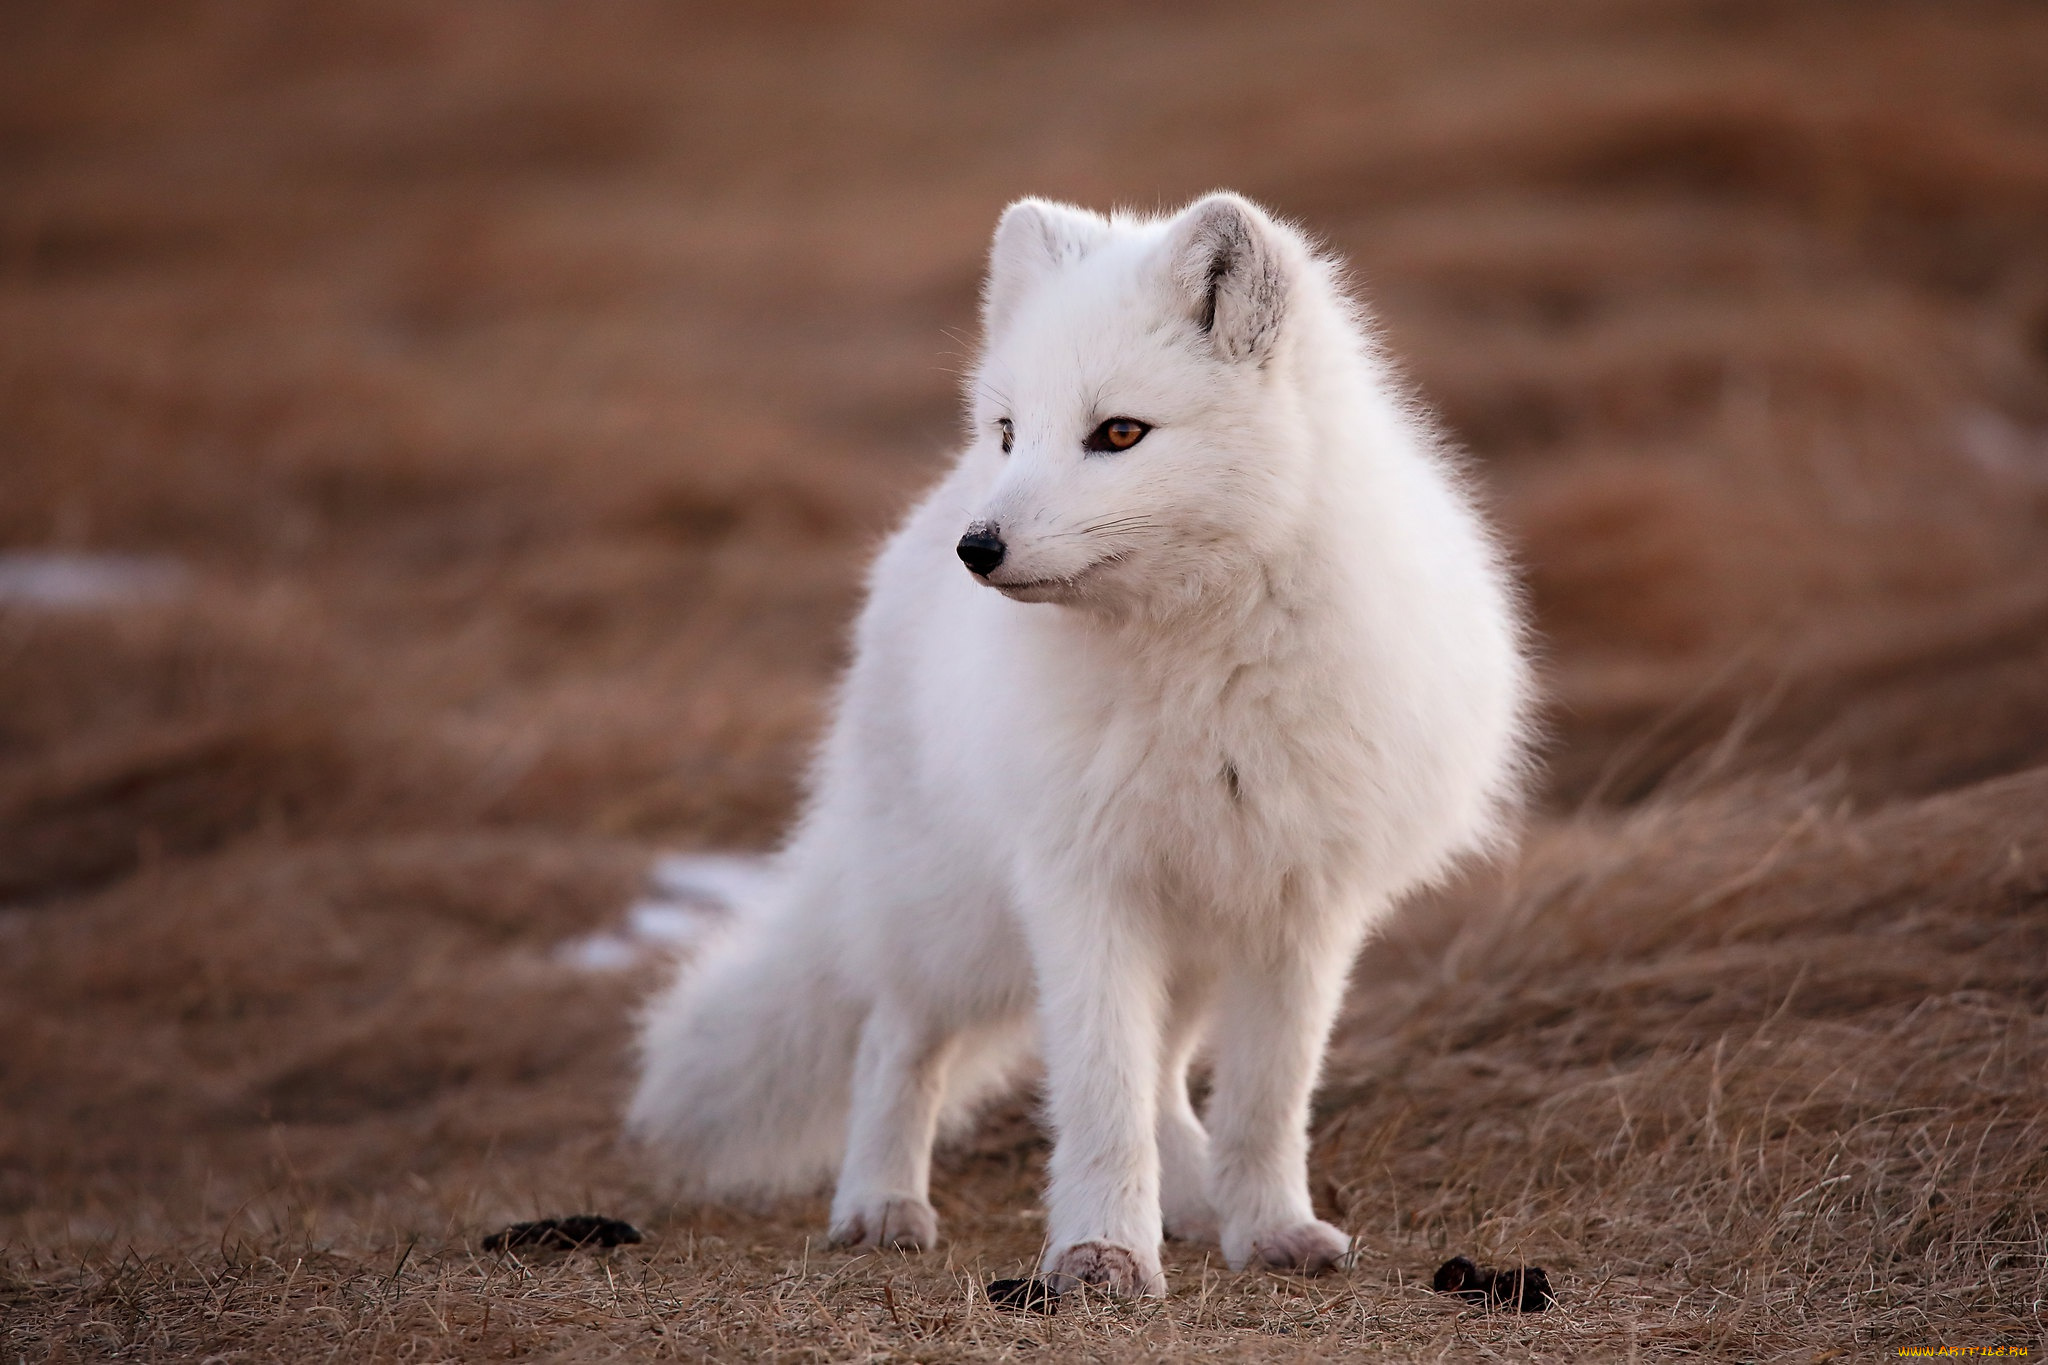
point(1197, 660)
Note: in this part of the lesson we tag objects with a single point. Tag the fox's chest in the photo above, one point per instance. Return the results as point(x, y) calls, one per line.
point(1239, 792)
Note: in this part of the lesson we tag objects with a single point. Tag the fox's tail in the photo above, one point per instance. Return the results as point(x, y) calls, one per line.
point(746, 1066)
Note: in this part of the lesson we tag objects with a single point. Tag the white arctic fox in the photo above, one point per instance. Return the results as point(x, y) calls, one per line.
point(1198, 659)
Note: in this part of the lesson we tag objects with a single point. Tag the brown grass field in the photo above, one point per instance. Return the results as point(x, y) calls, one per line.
point(523, 386)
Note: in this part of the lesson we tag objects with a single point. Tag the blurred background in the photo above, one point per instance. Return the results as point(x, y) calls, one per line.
point(439, 449)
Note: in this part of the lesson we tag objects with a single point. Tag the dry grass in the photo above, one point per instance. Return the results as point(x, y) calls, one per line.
point(523, 388)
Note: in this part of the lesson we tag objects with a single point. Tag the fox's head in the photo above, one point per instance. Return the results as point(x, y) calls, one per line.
point(1135, 428)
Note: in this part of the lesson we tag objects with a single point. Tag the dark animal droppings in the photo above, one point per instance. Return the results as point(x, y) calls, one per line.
point(1525, 1289)
point(564, 1234)
point(1023, 1296)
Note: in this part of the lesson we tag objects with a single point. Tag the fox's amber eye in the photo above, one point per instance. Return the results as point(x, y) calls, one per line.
point(1118, 433)
point(1009, 433)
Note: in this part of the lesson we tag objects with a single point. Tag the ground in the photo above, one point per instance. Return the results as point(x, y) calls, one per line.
point(511, 395)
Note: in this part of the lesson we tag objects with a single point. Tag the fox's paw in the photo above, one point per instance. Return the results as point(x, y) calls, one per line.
point(891, 1221)
point(1309, 1248)
point(1104, 1265)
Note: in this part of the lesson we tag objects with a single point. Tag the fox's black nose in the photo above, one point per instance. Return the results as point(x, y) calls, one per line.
point(981, 549)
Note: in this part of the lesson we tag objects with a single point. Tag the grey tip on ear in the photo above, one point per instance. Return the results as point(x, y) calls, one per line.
point(1053, 232)
point(1230, 264)
point(1033, 238)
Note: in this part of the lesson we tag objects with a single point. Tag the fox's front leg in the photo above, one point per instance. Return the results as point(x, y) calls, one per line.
point(899, 1081)
point(1273, 1022)
point(1184, 1204)
point(1101, 1000)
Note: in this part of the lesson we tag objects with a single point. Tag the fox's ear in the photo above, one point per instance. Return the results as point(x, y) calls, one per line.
point(1034, 238)
point(1229, 265)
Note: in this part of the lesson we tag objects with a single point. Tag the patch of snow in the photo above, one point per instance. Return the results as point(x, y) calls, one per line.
point(727, 880)
point(2002, 446)
point(668, 922)
point(691, 894)
point(598, 953)
point(63, 580)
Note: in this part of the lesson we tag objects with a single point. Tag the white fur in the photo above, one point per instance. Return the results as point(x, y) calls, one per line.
point(1231, 693)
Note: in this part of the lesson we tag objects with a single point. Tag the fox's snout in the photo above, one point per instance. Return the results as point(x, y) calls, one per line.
point(982, 548)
